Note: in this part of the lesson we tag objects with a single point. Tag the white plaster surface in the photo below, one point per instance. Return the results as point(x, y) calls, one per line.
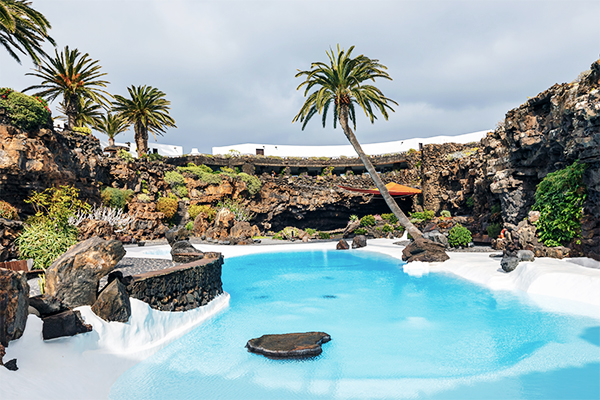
point(85, 366)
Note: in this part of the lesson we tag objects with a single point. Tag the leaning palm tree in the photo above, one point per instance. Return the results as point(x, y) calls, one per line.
point(341, 84)
point(23, 29)
point(88, 116)
point(111, 125)
point(74, 76)
point(148, 110)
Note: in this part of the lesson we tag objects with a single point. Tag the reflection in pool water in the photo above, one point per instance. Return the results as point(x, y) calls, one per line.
point(393, 336)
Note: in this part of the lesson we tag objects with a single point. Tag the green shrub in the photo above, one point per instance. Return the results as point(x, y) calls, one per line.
point(7, 211)
point(202, 173)
point(154, 157)
point(194, 210)
point(125, 155)
point(559, 199)
point(324, 235)
point(189, 226)
point(353, 218)
point(459, 236)
point(493, 230)
point(82, 129)
point(387, 228)
point(445, 214)
point(470, 202)
point(174, 178)
point(237, 208)
point(252, 183)
point(25, 112)
point(116, 198)
point(327, 171)
point(181, 191)
point(390, 217)
point(310, 231)
point(168, 206)
point(143, 198)
point(496, 209)
point(425, 215)
point(367, 220)
point(360, 231)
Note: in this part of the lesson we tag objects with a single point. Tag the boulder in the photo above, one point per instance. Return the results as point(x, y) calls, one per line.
point(289, 345)
point(509, 263)
point(176, 234)
point(244, 230)
point(425, 250)
point(342, 245)
point(201, 224)
point(184, 252)
point(359, 241)
point(47, 305)
point(11, 365)
point(75, 276)
point(66, 323)
point(113, 303)
point(2, 353)
point(89, 228)
point(525, 255)
point(352, 225)
point(436, 237)
point(14, 305)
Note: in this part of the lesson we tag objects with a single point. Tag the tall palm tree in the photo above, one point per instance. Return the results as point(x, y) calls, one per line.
point(111, 125)
point(23, 29)
point(148, 110)
point(89, 113)
point(341, 84)
point(74, 76)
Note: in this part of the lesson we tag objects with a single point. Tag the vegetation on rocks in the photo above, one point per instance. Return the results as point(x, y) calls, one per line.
point(194, 210)
point(459, 236)
point(237, 208)
point(116, 198)
point(559, 199)
point(167, 206)
point(367, 220)
point(202, 173)
point(7, 211)
point(23, 111)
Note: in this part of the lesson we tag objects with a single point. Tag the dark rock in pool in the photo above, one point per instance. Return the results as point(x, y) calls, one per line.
point(342, 245)
point(359, 241)
point(424, 250)
point(289, 345)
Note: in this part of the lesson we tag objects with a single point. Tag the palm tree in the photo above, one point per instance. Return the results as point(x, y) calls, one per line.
point(23, 29)
point(89, 114)
point(74, 76)
point(111, 125)
point(341, 84)
point(148, 110)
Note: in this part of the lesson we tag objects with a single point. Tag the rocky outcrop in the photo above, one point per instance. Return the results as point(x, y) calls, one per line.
point(183, 251)
point(89, 228)
point(424, 250)
point(289, 345)
point(113, 303)
point(179, 288)
point(9, 230)
point(47, 305)
point(66, 323)
point(75, 276)
point(14, 305)
point(359, 241)
point(342, 245)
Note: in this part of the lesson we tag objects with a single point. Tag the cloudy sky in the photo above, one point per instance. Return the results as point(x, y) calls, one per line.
point(228, 66)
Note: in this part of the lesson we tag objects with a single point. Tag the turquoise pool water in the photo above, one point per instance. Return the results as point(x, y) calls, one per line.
point(393, 336)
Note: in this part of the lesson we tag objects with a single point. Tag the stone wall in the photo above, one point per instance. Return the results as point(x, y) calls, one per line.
point(9, 230)
point(178, 288)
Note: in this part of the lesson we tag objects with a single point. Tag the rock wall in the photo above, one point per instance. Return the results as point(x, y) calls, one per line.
point(178, 288)
point(9, 230)
point(14, 305)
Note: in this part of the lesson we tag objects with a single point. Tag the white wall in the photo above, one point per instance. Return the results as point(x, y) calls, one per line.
point(166, 150)
point(347, 150)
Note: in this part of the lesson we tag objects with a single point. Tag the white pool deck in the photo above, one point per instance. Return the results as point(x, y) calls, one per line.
point(85, 366)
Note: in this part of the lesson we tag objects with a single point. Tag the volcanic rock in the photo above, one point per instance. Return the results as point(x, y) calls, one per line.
point(113, 303)
point(89, 228)
point(66, 323)
point(436, 237)
point(14, 305)
point(75, 276)
point(176, 234)
point(359, 241)
point(47, 305)
point(342, 245)
point(425, 250)
point(525, 255)
point(290, 345)
point(183, 251)
point(11, 365)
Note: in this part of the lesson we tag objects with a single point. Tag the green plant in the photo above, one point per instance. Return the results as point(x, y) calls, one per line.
point(82, 129)
point(493, 230)
point(189, 226)
point(327, 171)
point(445, 214)
point(360, 231)
point(194, 210)
point(7, 211)
point(174, 178)
point(154, 157)
point(387, 228)
point(252, 183)
point(367, 220)
point(559, 199)
point(324, 235)
point(25, 112)
point(143, 198)
point(237, 208)
point(116, 198)
point(181, 191)
point(470, 202)
point(390, 217)
point(425, 215)
point(496, 209)
point(168, 206)
point(459, 236)
point(310, 231)
point(202, 173)
point(125, 155)
point(353, 217)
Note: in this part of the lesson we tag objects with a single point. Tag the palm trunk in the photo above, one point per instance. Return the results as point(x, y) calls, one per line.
point(404, 221)
point(71, 109)
point(111, 141)
point(141, 139)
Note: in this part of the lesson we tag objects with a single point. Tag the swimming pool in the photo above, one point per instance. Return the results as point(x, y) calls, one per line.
point(393, 336)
